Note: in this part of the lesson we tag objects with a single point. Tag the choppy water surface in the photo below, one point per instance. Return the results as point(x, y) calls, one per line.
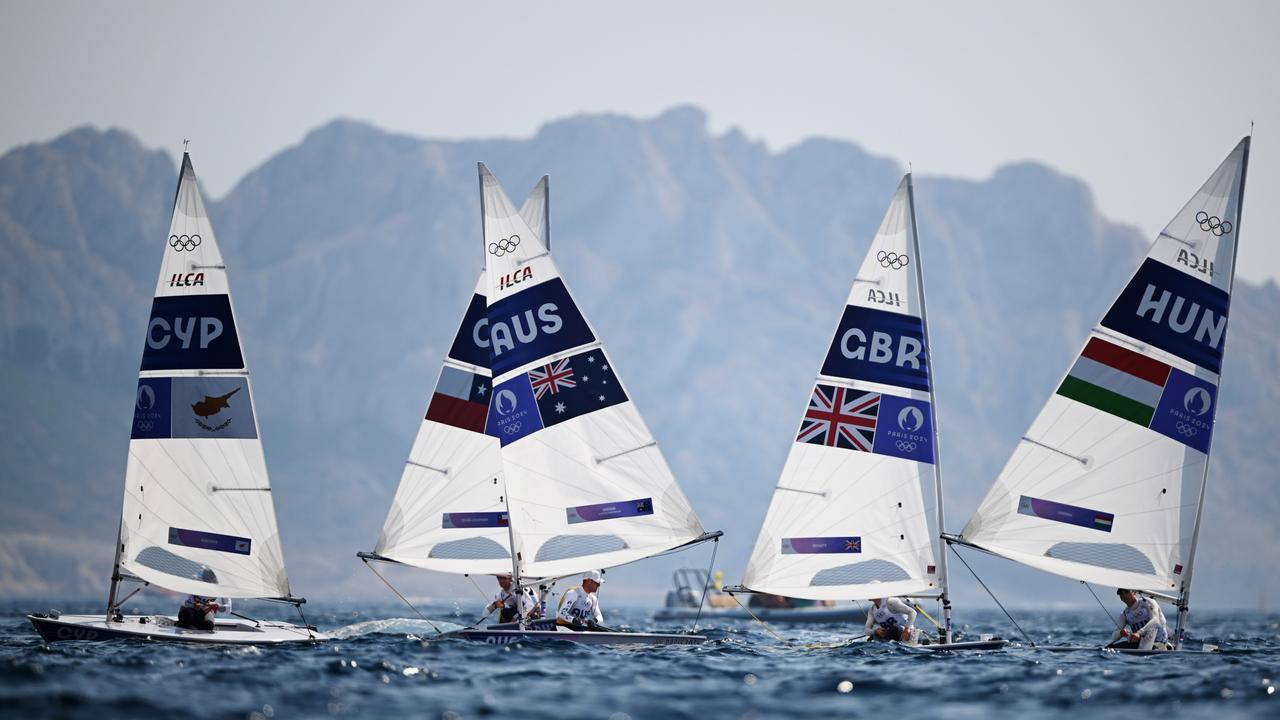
point(380, 667)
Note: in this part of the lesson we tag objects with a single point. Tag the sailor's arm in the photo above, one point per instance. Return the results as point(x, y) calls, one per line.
point(564, 614)
point(899, 607)
point(599, 616)
point(1119, 631)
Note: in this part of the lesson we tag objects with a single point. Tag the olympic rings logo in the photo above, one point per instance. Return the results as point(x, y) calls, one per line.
point(893, 260)
point(504, 246)
point(1211, 223)
point(511, 428)
point(146, 425)
point(184, 242)
point(1187, 429)
point(906, 446)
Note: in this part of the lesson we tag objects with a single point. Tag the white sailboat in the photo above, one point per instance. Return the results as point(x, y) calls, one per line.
point(850, 517)
point(1107, 485)
point(560, 462)
point(198, 516)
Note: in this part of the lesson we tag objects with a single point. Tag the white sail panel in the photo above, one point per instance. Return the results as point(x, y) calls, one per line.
point(1106, 484)
point(587, 485)
point(848, 519)
point(197, 496)
point(449, 513)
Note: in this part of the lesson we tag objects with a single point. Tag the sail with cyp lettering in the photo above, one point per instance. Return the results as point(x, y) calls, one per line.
point(850, 517)
point(197, 496)
point(449, 513)
point(587, 486)
point(1107, 484)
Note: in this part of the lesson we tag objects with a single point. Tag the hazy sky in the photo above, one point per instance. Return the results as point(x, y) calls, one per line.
point(1139, 99)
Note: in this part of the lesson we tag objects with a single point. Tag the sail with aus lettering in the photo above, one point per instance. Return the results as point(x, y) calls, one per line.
point(856, 511)
point(587, 486)
point(1107, 485)
point(198, 516)
point(449, 513)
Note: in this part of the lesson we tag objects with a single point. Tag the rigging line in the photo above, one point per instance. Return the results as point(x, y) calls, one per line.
point(705, 584)
point(1104, 607)
point(477, 587)
point(404, 599)
point(305, 624)
point(993, 596)
point(763, 624)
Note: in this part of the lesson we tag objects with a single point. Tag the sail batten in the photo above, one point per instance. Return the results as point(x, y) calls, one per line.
point(1107, 484)
point(849, 518)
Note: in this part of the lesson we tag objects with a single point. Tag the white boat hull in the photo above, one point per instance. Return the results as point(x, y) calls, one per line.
point(159, 628)
point(813, 615)
point(508, 636)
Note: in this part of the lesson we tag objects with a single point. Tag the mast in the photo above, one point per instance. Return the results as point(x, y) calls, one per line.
point(546, 211)
point(933, 402)
point(1184, 598)
point(506, 495)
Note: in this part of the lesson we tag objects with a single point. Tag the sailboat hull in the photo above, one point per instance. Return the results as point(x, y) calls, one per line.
point(1122, 651)
point(506, 637)
point(159, 628)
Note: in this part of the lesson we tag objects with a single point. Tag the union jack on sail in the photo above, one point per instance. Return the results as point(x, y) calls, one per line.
point(552, 378)
point(840, 417)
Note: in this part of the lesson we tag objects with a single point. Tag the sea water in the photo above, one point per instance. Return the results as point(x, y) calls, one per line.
point(381, 664)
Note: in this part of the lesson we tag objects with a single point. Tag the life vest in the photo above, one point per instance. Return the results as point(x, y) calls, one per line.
point(584, 607)
point(1141, 612)
point(882, 615)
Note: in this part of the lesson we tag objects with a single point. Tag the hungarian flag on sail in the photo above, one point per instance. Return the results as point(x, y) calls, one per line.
point(840, 417)
point(1144, 391)
point(461, 399)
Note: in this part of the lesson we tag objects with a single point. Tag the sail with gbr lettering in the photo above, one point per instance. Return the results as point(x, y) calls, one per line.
point(1107, 485)
point(855, 511)
point(197, 496)
point(449, 513)
point(587, 486)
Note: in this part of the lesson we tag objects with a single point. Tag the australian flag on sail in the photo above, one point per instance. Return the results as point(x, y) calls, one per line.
point(840, 417)
point(574, 386)
point(552, 393)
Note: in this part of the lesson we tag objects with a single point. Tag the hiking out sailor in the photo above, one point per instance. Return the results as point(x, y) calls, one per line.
point(197, 611)
point(580, 607)
point(505, 598)
point(891, 619)
point(1141, 624)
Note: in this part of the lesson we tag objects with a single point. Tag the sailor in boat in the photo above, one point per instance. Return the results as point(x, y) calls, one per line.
point(1141, 625)
point(891, 619)
point(505, 598)
point(197, 611)
point(580, 607)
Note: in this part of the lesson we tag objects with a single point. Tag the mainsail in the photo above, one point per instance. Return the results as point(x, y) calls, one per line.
point(849, 517)
point(449, 513)
point(587, 486)
point(1107, 485)
point(197, 496)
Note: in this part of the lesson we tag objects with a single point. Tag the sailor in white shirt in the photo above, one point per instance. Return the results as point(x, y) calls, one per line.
point(505, 598)
point(1141, 624)
point(579, 606)
point(891, 619)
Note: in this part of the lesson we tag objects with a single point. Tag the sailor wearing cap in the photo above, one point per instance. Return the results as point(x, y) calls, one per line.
point(505, 598)
point(579, 606)
point(1141, 624)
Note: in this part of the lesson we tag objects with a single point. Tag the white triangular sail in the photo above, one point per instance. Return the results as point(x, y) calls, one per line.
point(1107, 484)
point(449, 513)
point(197, 496)
point(587, 485)
point(849, 517)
